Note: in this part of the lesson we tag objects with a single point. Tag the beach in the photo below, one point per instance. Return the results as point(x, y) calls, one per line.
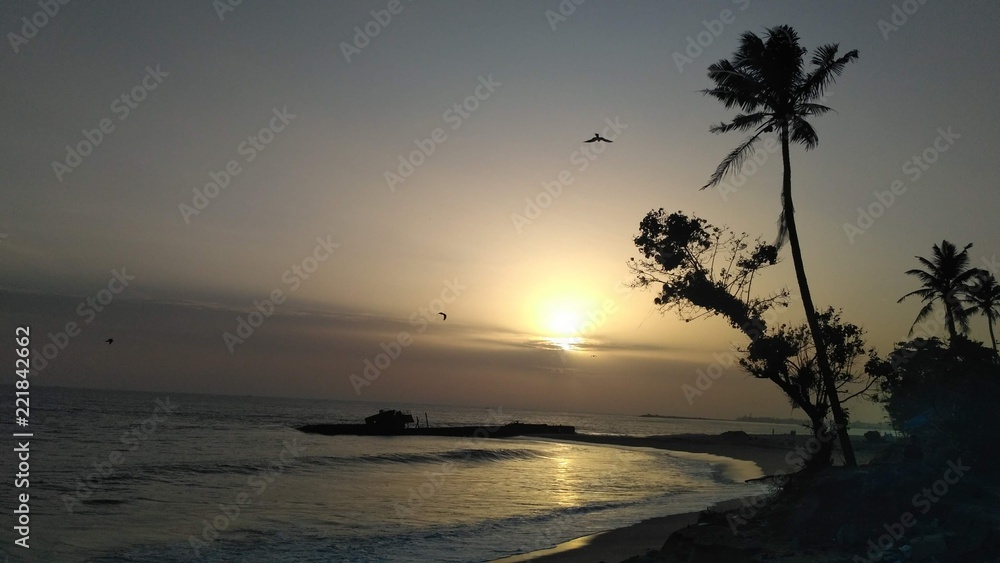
point(771, 453)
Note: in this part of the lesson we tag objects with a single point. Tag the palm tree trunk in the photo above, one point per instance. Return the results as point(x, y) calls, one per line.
point(993, 338)
point(811, 316)
point(949, 318)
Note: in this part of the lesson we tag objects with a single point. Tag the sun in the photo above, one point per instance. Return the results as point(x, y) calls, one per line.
point(559, 315)
point(564, 322)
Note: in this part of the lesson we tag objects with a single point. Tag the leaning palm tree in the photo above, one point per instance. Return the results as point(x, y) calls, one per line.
point(944, 280)
point(984, 296)
point(767, 81)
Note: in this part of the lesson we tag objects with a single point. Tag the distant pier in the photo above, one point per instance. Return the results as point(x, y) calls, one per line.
point(505, 431)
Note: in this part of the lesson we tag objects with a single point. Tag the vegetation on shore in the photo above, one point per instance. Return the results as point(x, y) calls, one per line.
point(939, 394)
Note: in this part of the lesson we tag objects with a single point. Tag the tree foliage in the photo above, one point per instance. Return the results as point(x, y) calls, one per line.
point(982, 293)
point(944, 395)
point(704, 270)
point(786, 355)
point(944, 280)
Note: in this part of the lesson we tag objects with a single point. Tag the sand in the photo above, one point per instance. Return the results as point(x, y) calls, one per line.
point(612, 546)
point(771, 453)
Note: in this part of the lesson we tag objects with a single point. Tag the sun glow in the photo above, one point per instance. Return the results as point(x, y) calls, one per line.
point(566, 343)
point(563, 322)
point(559, 314)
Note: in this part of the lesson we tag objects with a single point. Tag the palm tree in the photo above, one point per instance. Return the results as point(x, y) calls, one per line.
point(768, 83)
point(984, 296)
point(945, 279)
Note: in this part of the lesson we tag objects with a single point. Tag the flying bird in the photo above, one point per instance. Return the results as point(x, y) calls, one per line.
point(445, 317)
point(110, 340)
point(598, 137)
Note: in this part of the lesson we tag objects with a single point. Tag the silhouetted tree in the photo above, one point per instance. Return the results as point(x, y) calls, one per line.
point(767, 80)
point(704, 270)
point(944, 396)
point(787, 356)
point(983, 293)
point(945, 281)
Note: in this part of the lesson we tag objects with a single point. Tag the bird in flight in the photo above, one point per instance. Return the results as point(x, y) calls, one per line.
point(444, 316)
point(598, 137)
point(110, 340)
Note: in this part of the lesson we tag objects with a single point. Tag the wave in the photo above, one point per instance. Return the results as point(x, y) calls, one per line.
point(171, 472)
point(103, 501)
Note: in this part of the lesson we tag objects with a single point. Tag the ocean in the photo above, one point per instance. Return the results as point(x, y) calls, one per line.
point(127, 476)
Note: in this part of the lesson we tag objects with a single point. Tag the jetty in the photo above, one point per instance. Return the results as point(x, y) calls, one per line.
point(398, 423)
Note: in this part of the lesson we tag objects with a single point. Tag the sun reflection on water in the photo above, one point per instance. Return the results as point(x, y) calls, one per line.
point(564, 490)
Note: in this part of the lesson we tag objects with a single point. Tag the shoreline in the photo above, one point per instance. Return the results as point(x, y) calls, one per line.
point(770, 453)
point(616, 545)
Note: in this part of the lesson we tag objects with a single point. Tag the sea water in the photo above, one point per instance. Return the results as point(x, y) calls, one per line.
point(129, 476)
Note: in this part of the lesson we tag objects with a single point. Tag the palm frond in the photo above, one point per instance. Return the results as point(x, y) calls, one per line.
point(810, 109)
point(923, 314)
point(741, 122)
point(733, 161)
point(931, 266)
point(828, 68)
point(734, 86)
point(802, 132)
point(923, 293)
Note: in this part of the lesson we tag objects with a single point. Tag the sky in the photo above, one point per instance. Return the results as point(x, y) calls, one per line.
point(269, 199)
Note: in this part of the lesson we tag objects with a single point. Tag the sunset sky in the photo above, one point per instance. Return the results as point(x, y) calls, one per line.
point(119, 114)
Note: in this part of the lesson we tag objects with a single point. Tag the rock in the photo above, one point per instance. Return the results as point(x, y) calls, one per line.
point(706, 544)
point(850, 534)
point(927, 547)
